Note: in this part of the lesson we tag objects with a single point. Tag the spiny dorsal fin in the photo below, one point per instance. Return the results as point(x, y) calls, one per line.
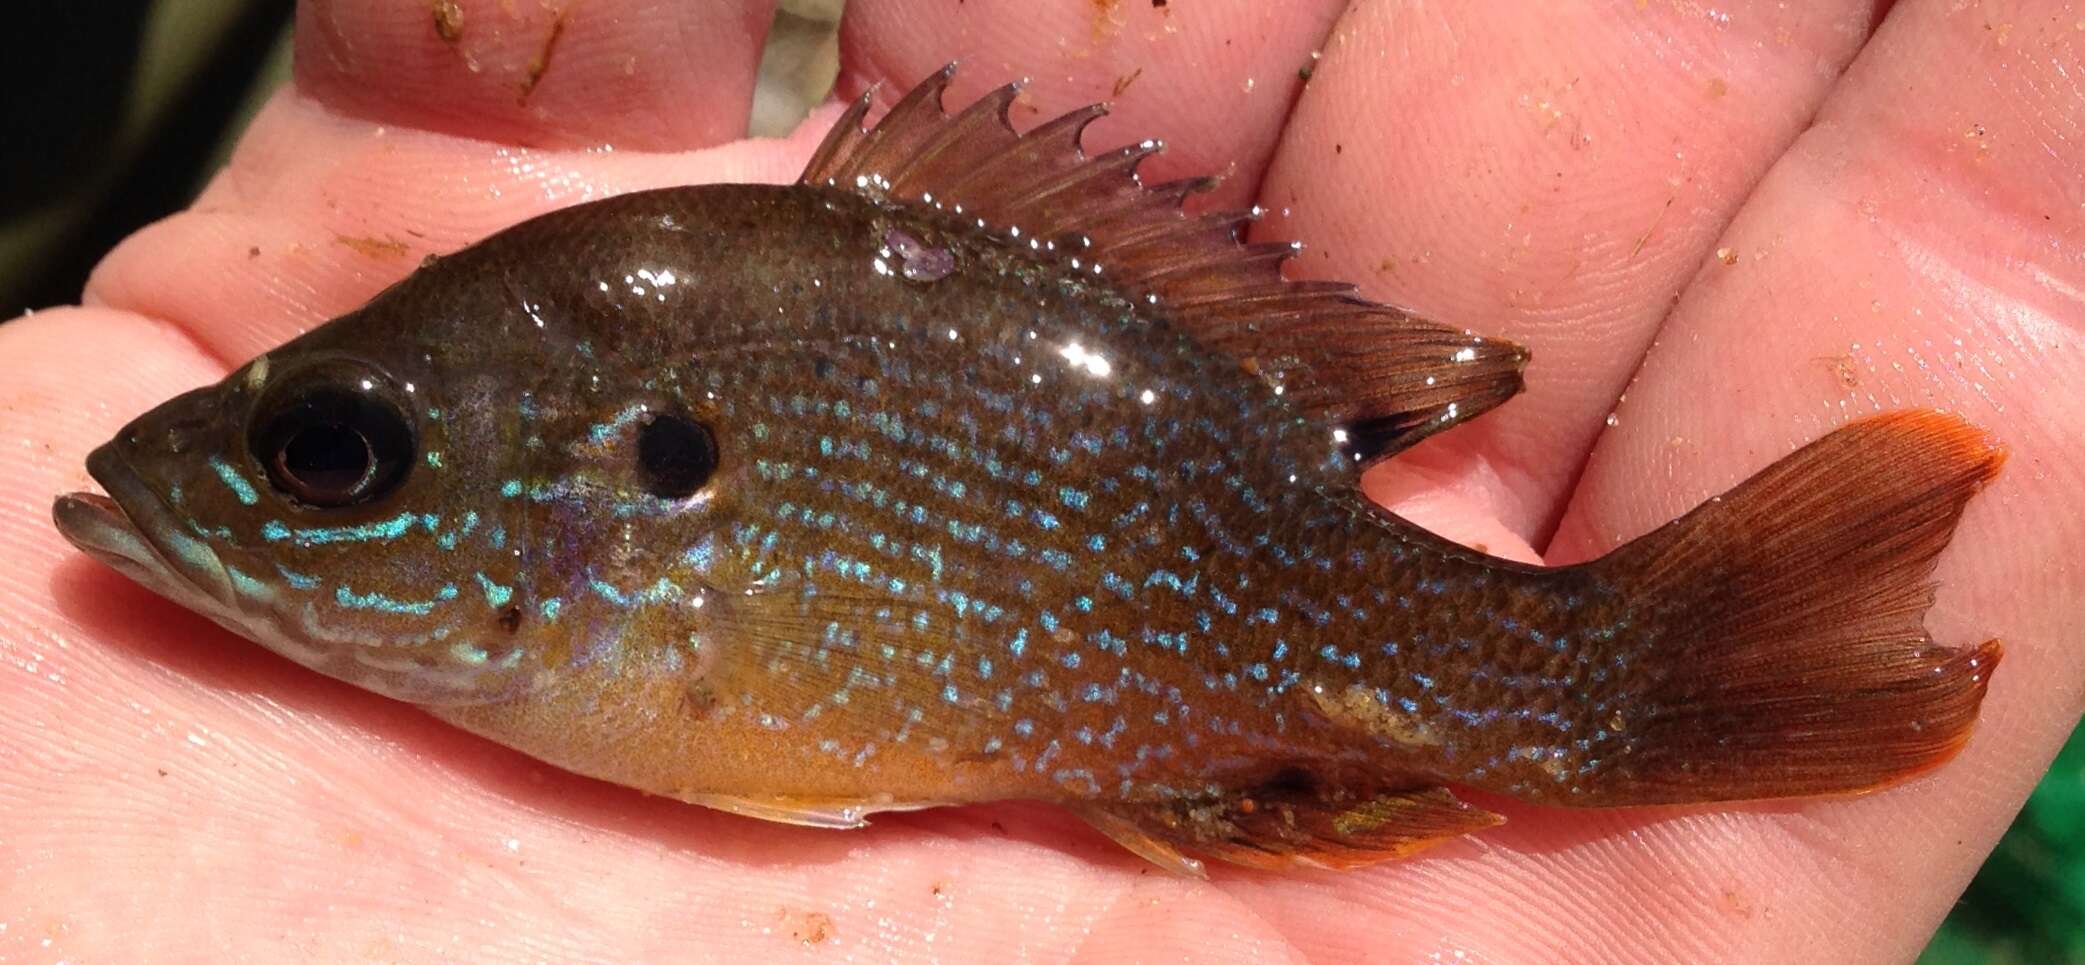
point(1390, 377)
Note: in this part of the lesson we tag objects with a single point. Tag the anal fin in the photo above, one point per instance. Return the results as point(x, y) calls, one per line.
point(1284, 827)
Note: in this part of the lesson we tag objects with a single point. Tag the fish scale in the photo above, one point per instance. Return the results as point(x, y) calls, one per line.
point(969, 468)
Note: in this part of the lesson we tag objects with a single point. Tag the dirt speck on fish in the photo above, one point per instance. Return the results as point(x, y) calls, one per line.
point(969, 468)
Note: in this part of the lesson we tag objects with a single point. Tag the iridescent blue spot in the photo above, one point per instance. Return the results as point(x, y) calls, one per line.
point(511, 488)
point(949, 694)
point(496, 594)
point(1024, 727)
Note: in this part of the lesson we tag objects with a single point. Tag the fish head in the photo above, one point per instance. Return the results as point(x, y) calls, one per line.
point(338, 500)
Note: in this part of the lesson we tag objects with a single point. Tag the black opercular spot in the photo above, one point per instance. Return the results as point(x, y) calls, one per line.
point(332, 438)
point(675, 456)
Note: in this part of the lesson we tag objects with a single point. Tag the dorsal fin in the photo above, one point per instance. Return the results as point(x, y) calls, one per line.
point(1389, 377)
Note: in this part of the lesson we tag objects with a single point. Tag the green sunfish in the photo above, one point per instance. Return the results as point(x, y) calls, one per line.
point(970, 468)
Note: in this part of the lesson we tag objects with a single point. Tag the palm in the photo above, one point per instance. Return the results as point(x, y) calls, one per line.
point(1559, 179)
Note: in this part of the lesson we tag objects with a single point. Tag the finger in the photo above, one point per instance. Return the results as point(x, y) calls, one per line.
point(1920, 247)
point(1552, 179)
point(316, 213)
point(1214, 78)
point(557, 73)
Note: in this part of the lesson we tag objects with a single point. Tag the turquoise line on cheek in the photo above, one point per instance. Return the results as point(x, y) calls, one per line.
point(248, 586)
point(378, 601)
point(301, 581)
point(275, 531)
point(235, 482)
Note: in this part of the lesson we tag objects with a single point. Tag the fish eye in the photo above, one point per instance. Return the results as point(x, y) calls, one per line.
point(332, 439)
point(675, 456)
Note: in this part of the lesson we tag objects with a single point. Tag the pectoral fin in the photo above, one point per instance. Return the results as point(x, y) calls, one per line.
point(1278, 828)
point(808, 812)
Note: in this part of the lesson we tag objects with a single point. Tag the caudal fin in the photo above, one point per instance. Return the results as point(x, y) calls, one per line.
point(1793, 660)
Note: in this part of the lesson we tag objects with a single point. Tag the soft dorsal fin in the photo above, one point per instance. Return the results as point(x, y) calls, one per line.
point(1389, 377)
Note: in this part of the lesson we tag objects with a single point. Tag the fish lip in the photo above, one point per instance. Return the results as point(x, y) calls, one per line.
point(120, 530)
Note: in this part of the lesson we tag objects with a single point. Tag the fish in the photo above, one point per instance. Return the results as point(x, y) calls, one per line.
point(972, 468)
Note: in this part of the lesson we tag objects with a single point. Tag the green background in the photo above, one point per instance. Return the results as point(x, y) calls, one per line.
point(114, 119)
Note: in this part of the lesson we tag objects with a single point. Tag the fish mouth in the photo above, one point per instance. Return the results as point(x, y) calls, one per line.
point(132, 532)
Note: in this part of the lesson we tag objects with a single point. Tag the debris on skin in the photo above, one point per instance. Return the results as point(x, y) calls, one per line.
point(1727, 255)
point(540, 63)
point(1647, 232)
point(1975, 135)
point(1841, 367)
point(448, 21)
point(1122, 83)
point(386, 247)
point(809, 928)
point(1105, 21)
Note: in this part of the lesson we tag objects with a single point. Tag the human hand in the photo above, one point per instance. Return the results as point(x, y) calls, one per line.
point(1586, 182)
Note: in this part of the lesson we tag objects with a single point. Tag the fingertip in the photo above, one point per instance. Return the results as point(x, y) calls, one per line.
point(553, 74)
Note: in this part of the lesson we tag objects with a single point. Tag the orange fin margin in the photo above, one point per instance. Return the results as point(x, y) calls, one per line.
point(1278, 828)
point(1389, 377)
point(1789, 620)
